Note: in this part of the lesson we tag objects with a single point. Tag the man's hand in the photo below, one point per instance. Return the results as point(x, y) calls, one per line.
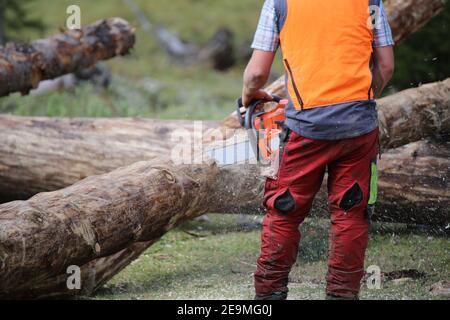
point(256, 75)
point(248, 97)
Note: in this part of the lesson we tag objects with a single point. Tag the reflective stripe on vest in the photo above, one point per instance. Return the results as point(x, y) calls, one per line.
point(327, 49)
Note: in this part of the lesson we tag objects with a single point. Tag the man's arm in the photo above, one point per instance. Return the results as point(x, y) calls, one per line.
point(383, 53)
point(256, 75)
point(383, 69)
point(265, 45)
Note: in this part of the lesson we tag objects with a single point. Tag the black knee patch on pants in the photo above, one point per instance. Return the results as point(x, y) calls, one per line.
point(352, 197)
point(285, 203)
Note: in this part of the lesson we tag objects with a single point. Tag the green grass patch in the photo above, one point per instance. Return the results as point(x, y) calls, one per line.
point(216, 259)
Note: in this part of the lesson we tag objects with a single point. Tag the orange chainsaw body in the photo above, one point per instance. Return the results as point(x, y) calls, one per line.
point(269, 124)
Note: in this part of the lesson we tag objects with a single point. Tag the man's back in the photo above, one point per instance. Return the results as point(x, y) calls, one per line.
point(327, 46)
point(327, 49)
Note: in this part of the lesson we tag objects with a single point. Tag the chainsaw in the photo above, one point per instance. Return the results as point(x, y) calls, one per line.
point(264, 124)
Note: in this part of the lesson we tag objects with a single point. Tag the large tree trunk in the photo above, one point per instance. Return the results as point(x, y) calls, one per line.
point(415, 114)
point(103, 222)
point(414, 184)
point(23, 66)
point(93, 275)
point(98, 217)
point(44, 154)
point(47, 154)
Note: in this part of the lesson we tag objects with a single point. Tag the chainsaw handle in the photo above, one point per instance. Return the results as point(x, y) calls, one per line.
point(246, 121)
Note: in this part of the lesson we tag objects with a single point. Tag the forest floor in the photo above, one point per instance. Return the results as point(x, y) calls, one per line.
point(215, 259)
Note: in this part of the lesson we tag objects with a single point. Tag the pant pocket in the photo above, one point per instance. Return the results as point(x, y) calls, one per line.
point(352, 197)
point(282, 201)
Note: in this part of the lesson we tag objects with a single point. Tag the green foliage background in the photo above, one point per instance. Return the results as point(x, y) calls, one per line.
point(425, 55)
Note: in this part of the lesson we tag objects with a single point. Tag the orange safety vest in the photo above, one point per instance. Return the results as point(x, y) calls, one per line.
point(327, 50)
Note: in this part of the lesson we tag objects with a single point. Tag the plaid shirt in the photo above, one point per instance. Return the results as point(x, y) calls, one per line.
point(267, 36)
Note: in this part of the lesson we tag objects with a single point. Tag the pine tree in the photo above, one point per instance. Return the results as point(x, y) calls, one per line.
point(14, 16)
point(425, 56)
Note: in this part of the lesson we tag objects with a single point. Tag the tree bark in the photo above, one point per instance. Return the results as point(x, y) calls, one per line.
point(415, 114)
point(25, 65)
point(104, 222)
point(93, 275)
point(47, 154)
point(414, 184)
point(97, 217)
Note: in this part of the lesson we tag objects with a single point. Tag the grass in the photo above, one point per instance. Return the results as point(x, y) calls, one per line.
point(144, 97)
point(216, 259)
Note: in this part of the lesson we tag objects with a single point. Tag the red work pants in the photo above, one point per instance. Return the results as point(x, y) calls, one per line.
point(288, 200)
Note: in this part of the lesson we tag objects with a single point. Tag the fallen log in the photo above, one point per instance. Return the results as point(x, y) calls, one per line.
point(104, 222)
point(46, 154)
point(413, 188)
point(415, 114)
point(23, 66)
point(413, 184)
point(97, 217)
point(408, 16)
point(93, 275)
